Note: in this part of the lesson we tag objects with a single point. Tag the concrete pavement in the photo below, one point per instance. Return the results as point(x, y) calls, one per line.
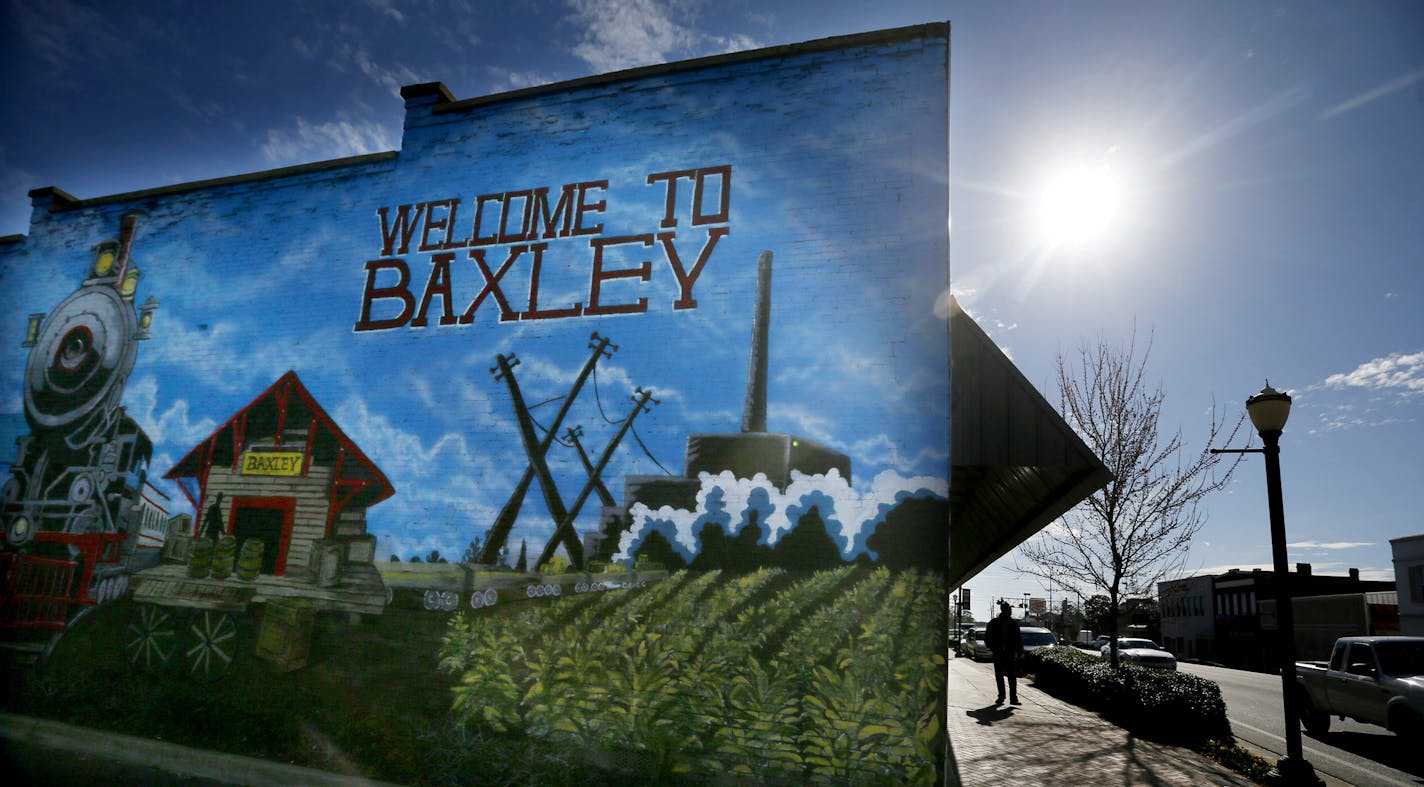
point(1046, 741)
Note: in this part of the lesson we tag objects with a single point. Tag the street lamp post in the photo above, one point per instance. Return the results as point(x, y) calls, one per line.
point(1269, 410)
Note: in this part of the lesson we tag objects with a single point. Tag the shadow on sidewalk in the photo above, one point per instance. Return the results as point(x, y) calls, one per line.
point(990, 714)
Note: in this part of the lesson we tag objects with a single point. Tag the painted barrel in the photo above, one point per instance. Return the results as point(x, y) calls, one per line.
point(249, 562)
point(223, 556)
point(200, 558)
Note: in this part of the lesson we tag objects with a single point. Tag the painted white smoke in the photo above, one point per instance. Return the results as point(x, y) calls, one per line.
point(850, 515)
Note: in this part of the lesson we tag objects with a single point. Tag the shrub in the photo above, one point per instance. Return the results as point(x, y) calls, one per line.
point(1173, 707)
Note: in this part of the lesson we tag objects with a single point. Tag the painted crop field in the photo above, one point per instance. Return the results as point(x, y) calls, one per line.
point(768, 677)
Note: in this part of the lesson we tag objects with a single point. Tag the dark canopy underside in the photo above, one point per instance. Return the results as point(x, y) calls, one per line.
point(1016, 465)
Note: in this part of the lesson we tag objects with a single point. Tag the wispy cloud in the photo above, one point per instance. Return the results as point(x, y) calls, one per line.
point(1329, 544)
point(61, 34)
point(504, 80)
point(1396, 372)
point(627, 33)
point(1392, 86)
point(387, 8)
point(391, 77)
point(333, 139)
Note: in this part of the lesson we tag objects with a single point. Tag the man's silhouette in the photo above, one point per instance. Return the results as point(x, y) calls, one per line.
point(1003, 638)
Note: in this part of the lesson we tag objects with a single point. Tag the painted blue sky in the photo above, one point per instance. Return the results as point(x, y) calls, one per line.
point(1270, 161)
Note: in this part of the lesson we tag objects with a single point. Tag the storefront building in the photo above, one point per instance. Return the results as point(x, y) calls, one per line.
point(515, 325)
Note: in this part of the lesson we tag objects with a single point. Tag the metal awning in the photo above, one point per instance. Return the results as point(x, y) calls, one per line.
point(1015, 464)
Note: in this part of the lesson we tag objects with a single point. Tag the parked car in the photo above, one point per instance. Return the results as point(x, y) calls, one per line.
point(1142, 652)
point(1035, 637)
point(1375, 680)
point(974, 645)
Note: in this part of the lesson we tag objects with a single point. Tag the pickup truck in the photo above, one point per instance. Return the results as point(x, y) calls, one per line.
point(1375, 680)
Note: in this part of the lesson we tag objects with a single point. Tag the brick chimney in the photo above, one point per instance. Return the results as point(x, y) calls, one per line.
point(1354, 575)
point(1303, 569)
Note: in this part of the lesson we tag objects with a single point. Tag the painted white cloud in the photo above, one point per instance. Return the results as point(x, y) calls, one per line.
point(333, 139)
point(1397, 372)
point(173, 428)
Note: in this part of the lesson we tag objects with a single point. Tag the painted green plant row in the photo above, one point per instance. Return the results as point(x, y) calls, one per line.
point(832, 677)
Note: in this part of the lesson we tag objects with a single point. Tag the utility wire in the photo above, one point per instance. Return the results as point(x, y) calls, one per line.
point(547, 401)
point(599, 399)
point(639, 440)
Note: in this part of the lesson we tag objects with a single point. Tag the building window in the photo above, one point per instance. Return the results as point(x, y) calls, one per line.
point(1416, 583)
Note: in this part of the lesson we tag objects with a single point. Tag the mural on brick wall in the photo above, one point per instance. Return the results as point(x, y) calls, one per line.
point(645, 378)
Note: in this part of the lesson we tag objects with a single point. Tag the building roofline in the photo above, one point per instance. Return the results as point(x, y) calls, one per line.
point(436, 94)
point(890, 35)
point(62, 200)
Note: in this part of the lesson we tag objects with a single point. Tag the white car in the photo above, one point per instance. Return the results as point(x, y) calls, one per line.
point(1142, 652)
point(974, 645)
point(1035, 637)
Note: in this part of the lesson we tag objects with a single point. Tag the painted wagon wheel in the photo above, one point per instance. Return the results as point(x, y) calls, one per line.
point(151, 638)
point(449, 601)
point(210, 646)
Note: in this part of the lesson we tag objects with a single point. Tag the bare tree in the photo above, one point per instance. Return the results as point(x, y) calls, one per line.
point(1136, 530)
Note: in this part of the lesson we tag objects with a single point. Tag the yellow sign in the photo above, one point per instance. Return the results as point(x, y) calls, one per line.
point(255, 463)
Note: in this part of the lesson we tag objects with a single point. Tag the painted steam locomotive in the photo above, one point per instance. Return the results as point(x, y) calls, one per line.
point(72, 510)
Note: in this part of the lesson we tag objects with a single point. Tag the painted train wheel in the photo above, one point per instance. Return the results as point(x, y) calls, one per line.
point(431, 600)
point(491, 597)
point(449, 601)
point(211, 645)
point(151, 638)
point(477, 600)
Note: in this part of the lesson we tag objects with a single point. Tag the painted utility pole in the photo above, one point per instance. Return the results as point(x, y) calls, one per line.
point(499, 532)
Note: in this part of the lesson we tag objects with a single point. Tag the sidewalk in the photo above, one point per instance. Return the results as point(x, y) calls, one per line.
point(1048, 742)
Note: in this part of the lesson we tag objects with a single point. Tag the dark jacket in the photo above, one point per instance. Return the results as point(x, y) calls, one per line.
point(1003, 638)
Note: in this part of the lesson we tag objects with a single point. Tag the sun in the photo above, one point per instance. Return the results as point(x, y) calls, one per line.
point(1081, 205)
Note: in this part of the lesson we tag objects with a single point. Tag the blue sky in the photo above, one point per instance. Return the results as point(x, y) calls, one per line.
point(1270, 161)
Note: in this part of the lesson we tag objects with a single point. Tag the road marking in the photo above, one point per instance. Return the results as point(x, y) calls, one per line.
point(1315, 754)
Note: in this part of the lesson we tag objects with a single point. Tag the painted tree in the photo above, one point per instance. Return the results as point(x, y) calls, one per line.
point(1137, 529)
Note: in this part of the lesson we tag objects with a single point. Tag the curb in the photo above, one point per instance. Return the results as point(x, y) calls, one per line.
point(173, 758)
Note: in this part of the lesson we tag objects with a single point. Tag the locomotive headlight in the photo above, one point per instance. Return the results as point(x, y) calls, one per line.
point(19, 531)
point(130, 283)
point(32, 333)
point(105, 254)
point(145, 318)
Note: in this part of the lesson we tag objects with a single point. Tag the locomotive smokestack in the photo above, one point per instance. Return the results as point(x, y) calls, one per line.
point(127, 222)
point(754, 414)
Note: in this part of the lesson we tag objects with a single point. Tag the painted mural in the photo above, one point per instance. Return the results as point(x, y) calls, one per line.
point(636, 389)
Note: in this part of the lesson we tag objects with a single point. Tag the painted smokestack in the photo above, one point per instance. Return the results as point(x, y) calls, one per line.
point(754, 414)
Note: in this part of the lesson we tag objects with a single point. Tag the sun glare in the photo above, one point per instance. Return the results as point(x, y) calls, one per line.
point(1079, 206)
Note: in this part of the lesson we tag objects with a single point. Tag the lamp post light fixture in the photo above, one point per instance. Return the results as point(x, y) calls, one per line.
point(1269, 410)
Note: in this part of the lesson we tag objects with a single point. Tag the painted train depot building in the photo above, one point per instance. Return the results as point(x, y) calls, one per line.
point(683, 329)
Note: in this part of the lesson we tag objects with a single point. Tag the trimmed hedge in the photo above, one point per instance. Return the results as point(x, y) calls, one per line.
point(1172, 707)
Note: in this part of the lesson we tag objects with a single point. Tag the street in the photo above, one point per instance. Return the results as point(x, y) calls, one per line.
point(1358, 754)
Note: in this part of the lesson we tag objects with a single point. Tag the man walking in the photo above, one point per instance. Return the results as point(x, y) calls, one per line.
point(1004, 641)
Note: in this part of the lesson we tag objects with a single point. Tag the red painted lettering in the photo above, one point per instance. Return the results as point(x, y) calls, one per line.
point(400, 291)
point(595, 285)
point(685, 280)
